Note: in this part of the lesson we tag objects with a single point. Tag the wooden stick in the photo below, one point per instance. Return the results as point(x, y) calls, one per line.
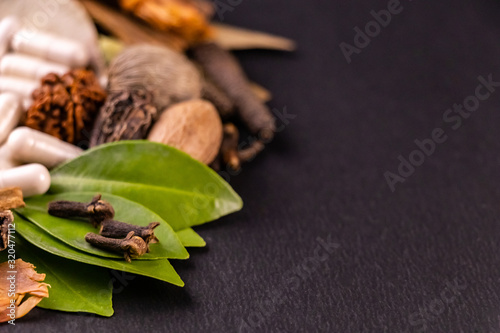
point(129, 30)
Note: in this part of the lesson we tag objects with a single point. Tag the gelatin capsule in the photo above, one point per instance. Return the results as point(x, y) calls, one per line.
point(32, 146)
point(17, 85)
point(51, 47)
point(10, 113)
point(8, 27)
point(33, 179)
point(29, 67)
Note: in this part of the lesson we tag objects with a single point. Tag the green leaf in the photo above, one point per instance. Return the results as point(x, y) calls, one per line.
point(190, 238)
point(75, 287)
point(72, 232)
point(183, 191)
point(157, 269)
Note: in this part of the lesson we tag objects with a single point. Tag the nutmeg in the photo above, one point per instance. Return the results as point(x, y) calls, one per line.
point(193, 127)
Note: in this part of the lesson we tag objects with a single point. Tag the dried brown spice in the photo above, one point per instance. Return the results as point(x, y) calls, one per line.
point(29, 287)
point(131, 246)
point(186, 18)
point(231, 154)
point(116, 229)
point(97, 210)
point(6, 220)
point(193, 127)
point(126, 115)
point(65, 107)
point(224, 70)
point(11, 198)
point(211, 92)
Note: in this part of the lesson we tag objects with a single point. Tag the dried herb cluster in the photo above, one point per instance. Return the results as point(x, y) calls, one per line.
point(130, 240)
point(65, 107)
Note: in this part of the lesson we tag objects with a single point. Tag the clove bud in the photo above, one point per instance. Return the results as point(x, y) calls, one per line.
point(116, 229)
point(97, 210)
point(131, 246)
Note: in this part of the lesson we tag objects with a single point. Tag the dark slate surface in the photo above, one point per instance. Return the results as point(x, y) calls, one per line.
point(424, 258)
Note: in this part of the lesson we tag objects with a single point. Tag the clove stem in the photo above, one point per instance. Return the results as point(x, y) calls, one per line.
point(116, 229)
point(131, 246)
point(97, 210)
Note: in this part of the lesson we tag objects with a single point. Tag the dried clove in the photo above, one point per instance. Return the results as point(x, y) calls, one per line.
point(131, 246)
point(97, 210)
point(116, 229)
point(6, 219)
point(224, 70)
point(126, 115)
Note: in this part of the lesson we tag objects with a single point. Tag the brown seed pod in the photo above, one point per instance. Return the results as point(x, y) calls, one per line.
point(169, 75)
point(65, 107)
point(193, 127)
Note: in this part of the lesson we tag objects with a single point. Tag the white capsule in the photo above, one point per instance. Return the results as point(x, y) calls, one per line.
point(33, 179)
point(32, 146)
point(29, 67)
point(10, 113)
point(17, 85)
point(6, 161)
point(8, 27)
point(51, 47)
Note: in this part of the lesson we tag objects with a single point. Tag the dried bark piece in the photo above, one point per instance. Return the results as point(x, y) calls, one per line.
point(28, 283)
point(65, 107)
point(126, 115)
point(11, 198)
point(224, 70)
point(185, 18)
point(6, 219)
point(193, 127)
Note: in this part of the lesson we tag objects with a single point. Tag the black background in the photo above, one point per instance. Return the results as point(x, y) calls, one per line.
point(323, 176)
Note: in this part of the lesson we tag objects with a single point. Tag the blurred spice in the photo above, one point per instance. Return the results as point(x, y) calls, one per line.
point(223, 69)
point(126, 115)
point(66, 106)
point(185, 18)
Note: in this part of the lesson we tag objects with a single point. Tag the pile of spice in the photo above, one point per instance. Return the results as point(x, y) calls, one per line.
point(158, 71)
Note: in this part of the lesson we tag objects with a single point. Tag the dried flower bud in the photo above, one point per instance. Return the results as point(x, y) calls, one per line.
point(193, 127)
point(66, 106)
